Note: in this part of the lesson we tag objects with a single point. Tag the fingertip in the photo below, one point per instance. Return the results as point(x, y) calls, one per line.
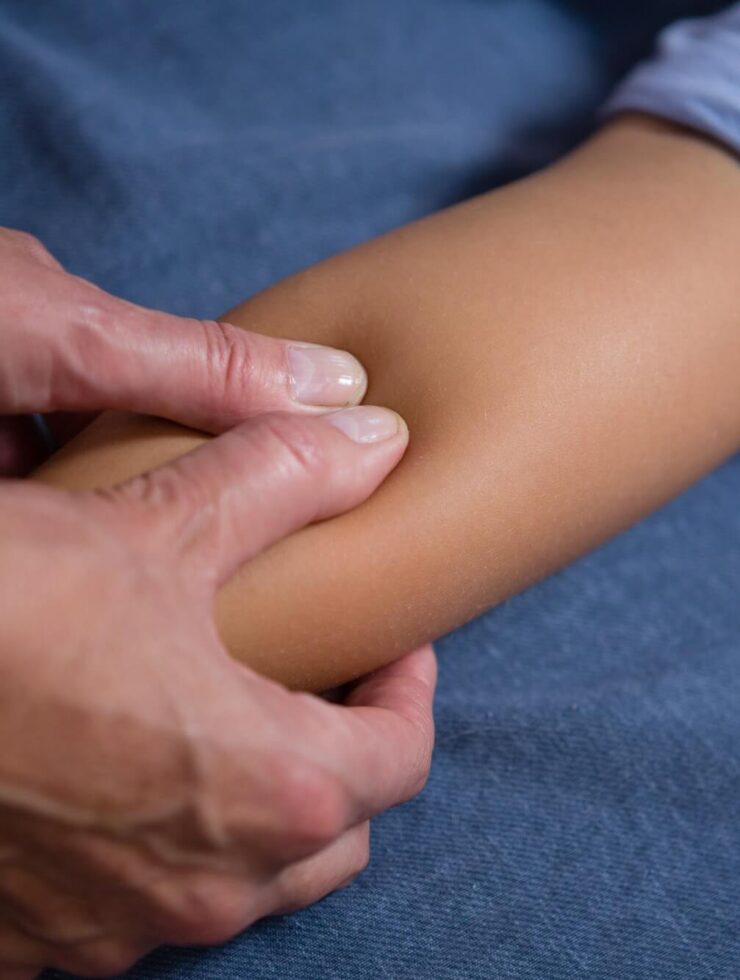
point(420, 663)
point(414, 674)
point(324, 377)
point(368, 424)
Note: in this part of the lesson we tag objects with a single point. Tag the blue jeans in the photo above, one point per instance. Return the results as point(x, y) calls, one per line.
point(581, 820)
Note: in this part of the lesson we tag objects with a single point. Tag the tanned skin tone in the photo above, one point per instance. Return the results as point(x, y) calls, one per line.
point(566, 353)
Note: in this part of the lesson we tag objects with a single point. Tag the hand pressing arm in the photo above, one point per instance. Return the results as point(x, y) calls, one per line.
point(69, 346)
point(566, 351)
point(151, 789)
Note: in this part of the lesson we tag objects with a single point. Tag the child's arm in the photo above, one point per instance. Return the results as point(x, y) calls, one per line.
point(566, 352)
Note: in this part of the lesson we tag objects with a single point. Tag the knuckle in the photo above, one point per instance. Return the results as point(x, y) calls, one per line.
point(313, 805)
point(302, 892)
point(297, 443)
point(216, 928)
point(231, 360)
point(296, 893)
point(24, 238)
point(179, 909)
point(417, 735)
point(89, 353)
point(165, 490)
point(98, 315)
point(305, 888)
point(29, 243)
point(164, 508)
point(204, 913)
point(101, 961)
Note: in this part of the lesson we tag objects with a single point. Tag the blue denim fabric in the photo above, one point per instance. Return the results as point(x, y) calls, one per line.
point(581, 820)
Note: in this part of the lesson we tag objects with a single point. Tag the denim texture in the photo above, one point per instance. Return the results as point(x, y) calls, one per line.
point(581, 820)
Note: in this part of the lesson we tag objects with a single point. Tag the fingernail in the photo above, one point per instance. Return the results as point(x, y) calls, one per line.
point(324, 376)
point(366, 423)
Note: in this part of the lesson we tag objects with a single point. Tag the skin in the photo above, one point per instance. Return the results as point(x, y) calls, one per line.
point(152, 789)
point(566, 352)
point(183, 798)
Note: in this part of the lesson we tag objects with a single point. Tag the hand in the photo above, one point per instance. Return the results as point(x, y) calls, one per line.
point(69, 346)
point(152, 790)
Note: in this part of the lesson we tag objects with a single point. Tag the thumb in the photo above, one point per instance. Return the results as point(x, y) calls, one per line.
point(226, 501)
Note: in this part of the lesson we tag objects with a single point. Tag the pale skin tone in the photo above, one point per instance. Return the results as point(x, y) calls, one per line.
point(566, 351)
point(183, 797)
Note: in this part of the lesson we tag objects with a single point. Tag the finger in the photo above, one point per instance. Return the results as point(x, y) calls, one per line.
point(385, 757)
point(308, 881)
point(83, 350)
point(231, 498)
point(212, 375)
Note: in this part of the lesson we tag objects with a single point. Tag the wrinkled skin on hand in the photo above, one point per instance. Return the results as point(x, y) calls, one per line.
point(70, 347)
point(152, 789)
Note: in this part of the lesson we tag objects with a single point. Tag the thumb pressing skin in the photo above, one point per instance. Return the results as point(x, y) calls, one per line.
point(234, 496)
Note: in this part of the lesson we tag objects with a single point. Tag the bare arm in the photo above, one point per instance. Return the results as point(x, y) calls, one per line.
point(566, 352)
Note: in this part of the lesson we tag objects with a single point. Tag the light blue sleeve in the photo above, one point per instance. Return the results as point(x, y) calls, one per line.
point(693, 78)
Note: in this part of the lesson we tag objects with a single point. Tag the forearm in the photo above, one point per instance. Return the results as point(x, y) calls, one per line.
point(566, 352)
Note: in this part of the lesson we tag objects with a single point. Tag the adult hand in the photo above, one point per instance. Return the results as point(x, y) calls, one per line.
point(153, 790)
point(69, 346)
